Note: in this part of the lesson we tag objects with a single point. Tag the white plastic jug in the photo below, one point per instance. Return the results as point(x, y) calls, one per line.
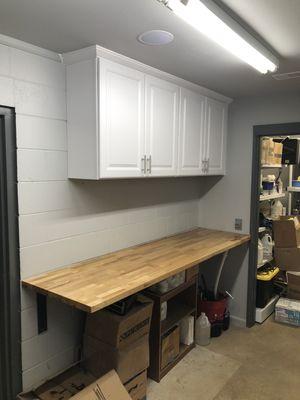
point(276, 209)
point(267, 243)
point(260, 253)
point(202, 330)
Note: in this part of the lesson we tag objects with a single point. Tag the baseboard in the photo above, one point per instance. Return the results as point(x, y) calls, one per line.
point(238, 322)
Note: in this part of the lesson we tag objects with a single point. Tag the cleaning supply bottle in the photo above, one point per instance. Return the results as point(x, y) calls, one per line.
point(260, 253)
point(276, 209)
point(202, 330)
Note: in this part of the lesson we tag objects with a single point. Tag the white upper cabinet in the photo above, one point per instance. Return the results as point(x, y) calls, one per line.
point(122, 120)
point(215, 137)
point(128, 120)
point(162, 125)
point(191, 137)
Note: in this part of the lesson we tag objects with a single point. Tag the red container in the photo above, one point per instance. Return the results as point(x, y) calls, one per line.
point(214, 309)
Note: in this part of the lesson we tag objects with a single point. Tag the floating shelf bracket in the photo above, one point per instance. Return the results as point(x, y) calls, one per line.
point(42, 316)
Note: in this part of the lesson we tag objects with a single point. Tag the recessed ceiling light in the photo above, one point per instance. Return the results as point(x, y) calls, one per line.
point(156, 37)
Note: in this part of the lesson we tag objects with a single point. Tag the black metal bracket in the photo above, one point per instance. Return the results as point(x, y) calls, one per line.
point(42, 317)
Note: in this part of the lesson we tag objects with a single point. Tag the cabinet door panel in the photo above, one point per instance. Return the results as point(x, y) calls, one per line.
point(122, 116)
point(216, 130)
point(192, 117)
point(162, 120)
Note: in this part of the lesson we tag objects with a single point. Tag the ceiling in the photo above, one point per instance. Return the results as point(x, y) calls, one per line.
point(65, 25)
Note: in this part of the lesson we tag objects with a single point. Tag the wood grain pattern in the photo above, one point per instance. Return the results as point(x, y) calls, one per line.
point(96, 283)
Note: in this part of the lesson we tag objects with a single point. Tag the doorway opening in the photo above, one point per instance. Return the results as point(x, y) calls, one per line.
point(271, 198)
point(10, 318)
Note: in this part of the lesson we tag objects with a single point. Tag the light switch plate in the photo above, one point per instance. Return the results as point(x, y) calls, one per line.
point(238, 224)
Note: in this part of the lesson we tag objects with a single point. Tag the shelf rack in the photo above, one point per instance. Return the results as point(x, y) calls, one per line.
point(273, 165)
point(293, 189)
point(271, 196)
point(181, 302)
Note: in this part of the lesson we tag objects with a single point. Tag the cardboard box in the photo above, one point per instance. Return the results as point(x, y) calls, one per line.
point(66, 385)
point(293, 289)
point(287, 311)
point(170, 347)
point(120, 331)
point(287, 232)
point(108, 387)
point(191, 273)
point(100, 357)
point(277, 155)
point(267, 151)
point(137, 387)
point(288, 258)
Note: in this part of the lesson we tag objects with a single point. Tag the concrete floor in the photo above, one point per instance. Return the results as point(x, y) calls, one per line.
point(261, 363)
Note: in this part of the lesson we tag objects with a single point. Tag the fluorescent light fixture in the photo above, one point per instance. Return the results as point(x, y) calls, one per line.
point(243, 46)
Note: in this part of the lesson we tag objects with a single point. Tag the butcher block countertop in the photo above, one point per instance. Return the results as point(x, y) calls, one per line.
point(96, 283)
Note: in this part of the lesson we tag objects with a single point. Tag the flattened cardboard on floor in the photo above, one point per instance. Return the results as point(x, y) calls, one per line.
point(108, 387)
point(117, 330)
point(100, 357)
point(287, 232)
point(287, 258)
point(65, 385)
point(137, 387)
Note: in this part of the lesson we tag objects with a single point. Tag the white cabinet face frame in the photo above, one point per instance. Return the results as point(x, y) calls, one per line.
point(215, 137)
point(122, 120)
point(162, 127)
point(191, 136)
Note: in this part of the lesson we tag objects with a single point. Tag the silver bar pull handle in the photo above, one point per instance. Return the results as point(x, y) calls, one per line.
point(149, 161)
point(207, 166)
point(143, 164)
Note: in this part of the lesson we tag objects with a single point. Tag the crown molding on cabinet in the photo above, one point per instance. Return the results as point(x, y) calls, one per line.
point(95, 51)
point(29, 48)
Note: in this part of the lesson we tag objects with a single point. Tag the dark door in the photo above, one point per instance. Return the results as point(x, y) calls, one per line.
point(10, 340)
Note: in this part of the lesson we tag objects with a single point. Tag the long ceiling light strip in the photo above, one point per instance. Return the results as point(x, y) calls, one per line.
point(196, 14)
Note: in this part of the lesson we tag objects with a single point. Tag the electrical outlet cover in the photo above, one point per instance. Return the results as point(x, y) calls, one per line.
point(238, 224)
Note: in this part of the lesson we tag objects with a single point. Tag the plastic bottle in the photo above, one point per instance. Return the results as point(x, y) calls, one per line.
point(276, 209)
point(260, 253)
point(202, 330)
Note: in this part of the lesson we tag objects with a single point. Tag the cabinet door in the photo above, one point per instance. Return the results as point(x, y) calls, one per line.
point(191, 136)
point(162, 125)
point(215, 138)
point(122, 120)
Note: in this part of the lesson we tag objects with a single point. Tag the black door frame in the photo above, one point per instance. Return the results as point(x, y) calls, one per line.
point(258, 132)
point(10, 316)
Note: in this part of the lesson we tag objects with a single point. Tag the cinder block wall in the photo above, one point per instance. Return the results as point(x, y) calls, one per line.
point(64, 221)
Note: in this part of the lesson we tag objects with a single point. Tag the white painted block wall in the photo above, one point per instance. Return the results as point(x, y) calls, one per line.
point(64, 221)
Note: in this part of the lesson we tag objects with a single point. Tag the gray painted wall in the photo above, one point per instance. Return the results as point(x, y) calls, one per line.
point(230, 197)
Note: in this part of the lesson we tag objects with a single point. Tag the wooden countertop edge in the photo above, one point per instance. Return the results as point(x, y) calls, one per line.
point(241, 239)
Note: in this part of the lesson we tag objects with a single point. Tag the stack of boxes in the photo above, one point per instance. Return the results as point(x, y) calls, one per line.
point(271, 152)
point(287, 256)
point(112, 341)
point(287, 243)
